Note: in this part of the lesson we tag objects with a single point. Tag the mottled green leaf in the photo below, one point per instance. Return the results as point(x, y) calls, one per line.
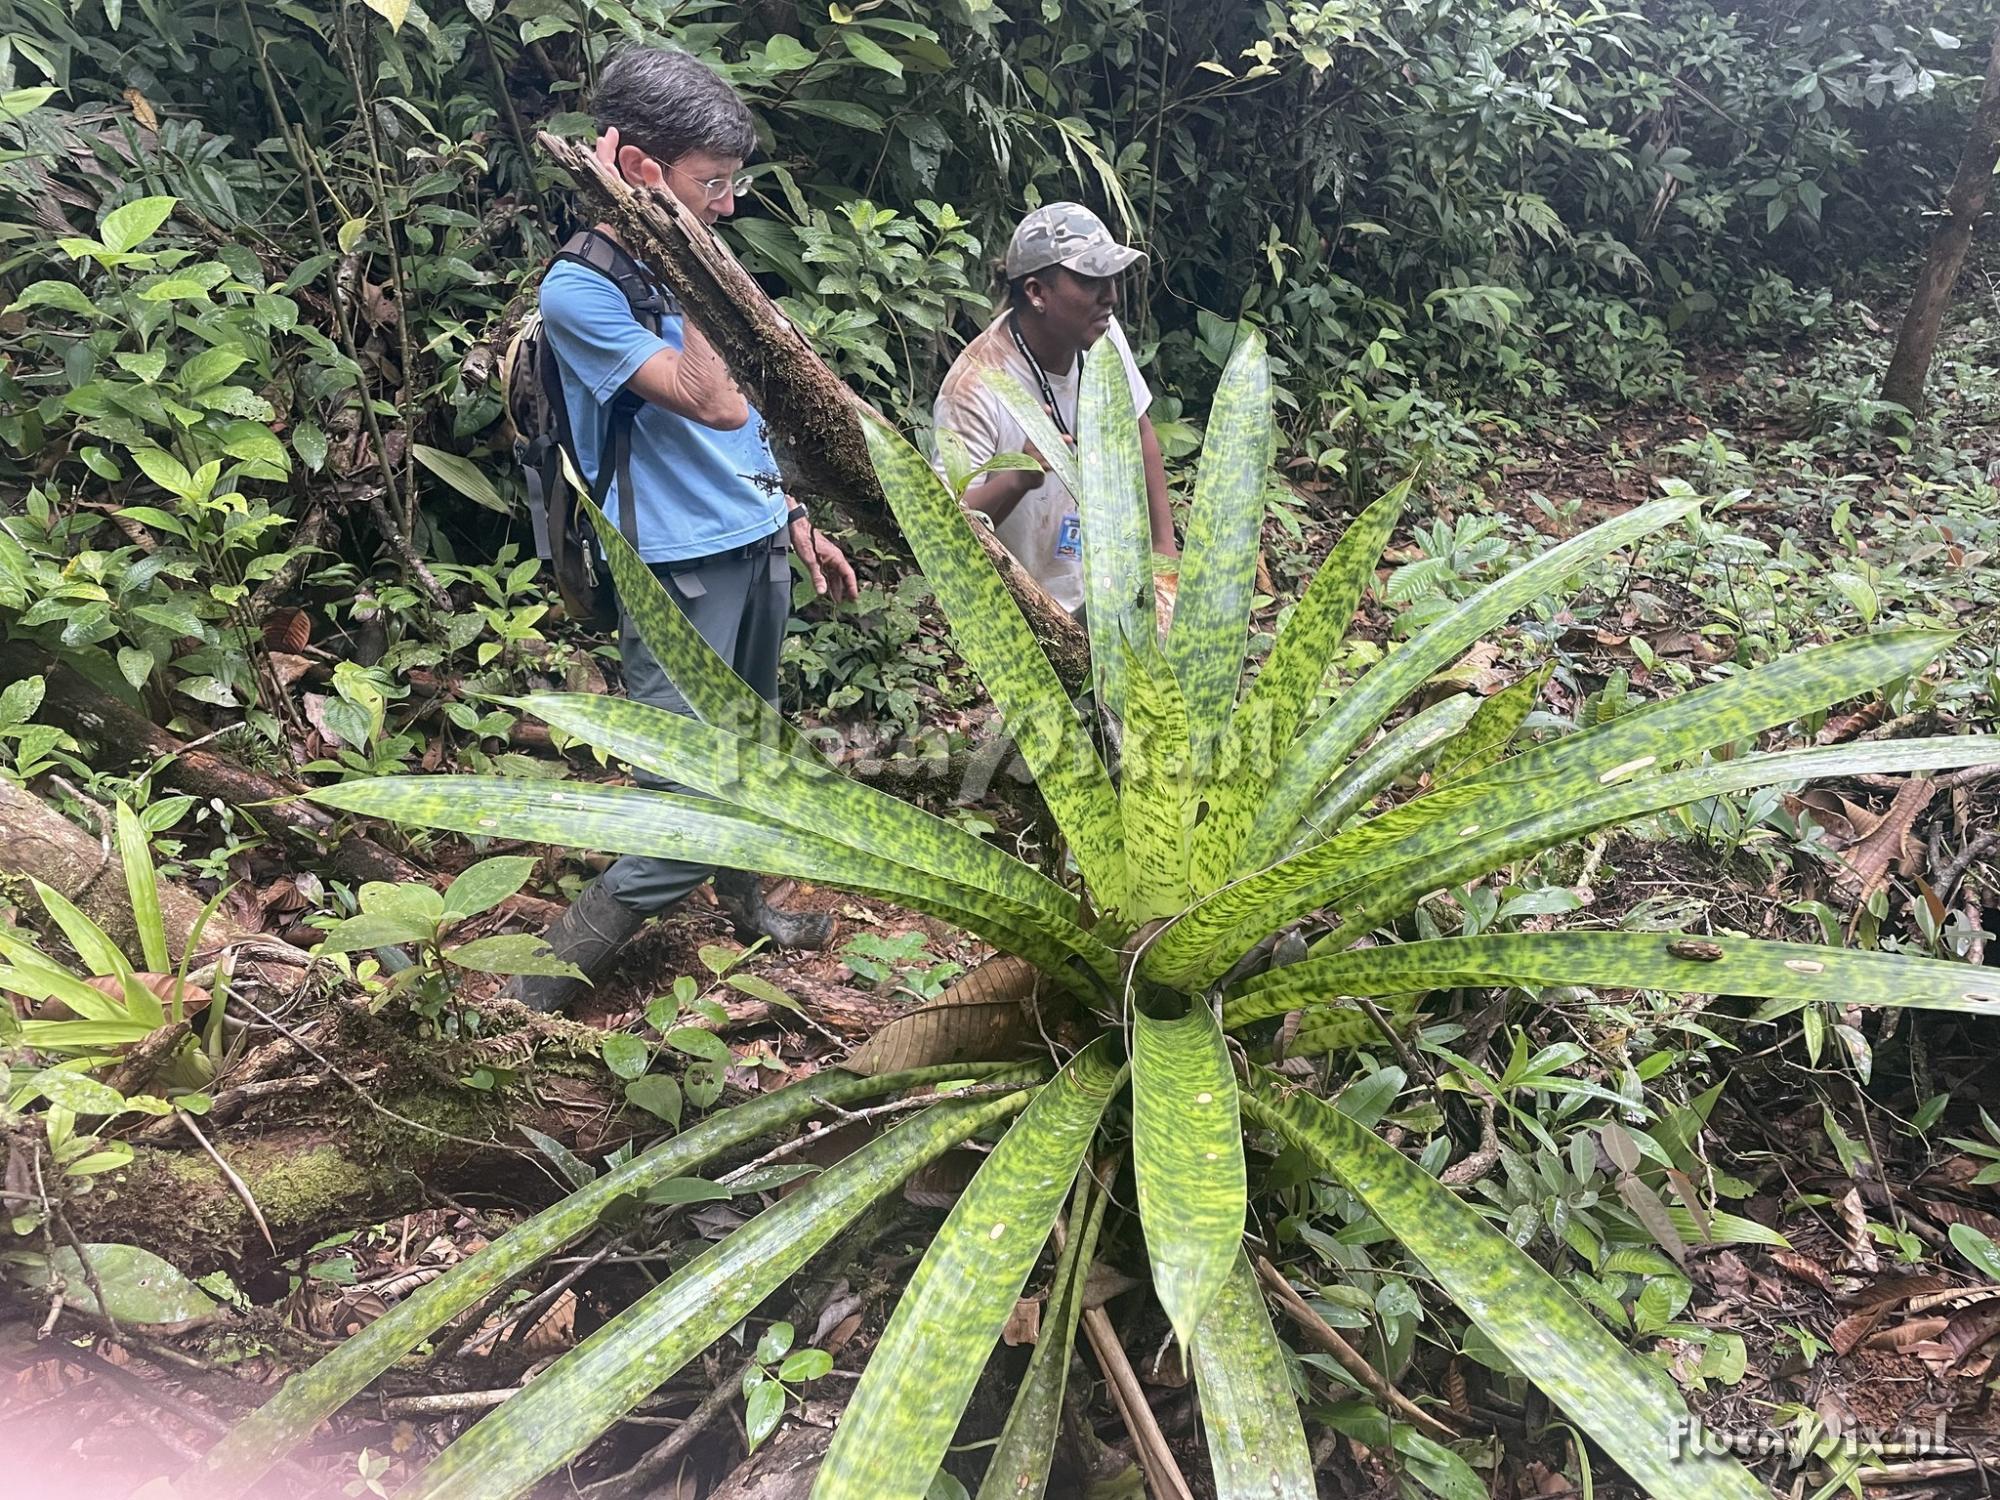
point(1627, 1405)
point(564, 1409)
point(714, 693)
point(1410, 746)
point(288, 1418)
point(1322, 749)
point(801, 794)
point(895, 1430)
point(485, 885)
point(996, 641)
point(1263, 727)
point(631, 820)
point(1211, 627)
point(1256, 1447)
point(1719, 965)
point(1187, 1159)
point(1156, 797)
point(1117, 534)
point(1019, 1467)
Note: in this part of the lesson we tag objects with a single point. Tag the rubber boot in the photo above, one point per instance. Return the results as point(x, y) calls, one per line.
point(588, 935)
point(741, 894)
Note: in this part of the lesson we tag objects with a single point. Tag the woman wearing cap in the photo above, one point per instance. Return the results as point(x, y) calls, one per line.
point(1062, 271)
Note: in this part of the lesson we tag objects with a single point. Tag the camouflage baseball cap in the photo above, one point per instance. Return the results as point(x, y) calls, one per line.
point(1067, 234)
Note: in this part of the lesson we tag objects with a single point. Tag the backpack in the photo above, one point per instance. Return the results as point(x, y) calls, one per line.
point(545, 448)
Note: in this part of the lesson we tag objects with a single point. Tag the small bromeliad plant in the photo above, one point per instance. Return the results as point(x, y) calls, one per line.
point(1231, 816)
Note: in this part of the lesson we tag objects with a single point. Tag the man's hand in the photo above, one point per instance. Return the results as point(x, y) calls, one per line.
point(826, 565)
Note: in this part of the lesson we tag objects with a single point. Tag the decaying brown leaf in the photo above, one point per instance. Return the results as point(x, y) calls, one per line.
point(985, 1015)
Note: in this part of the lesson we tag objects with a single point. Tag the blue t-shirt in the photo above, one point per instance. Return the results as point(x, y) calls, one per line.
point(699, 490)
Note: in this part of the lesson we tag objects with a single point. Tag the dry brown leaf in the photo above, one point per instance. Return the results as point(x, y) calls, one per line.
point(1868, 861)
point(1802, 1268)
point(194, 999)
point(1024, 1323)
point(1861, 1254)
point(983, 1016)
point(1909, 1331)
point(554, 1332)
point(142, 109)
point(1946, 1212)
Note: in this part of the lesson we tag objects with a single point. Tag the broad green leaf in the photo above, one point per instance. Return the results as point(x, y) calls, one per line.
point(1256, 1447)
point(35, 977)
point(1117, 534)
point(139, 1287)
point(463, 475)
point(1263, 727)
point(1019, 1467)
point(1328, 742)
point(236, 1463)
point(392, 11)
point(1673, 962)
point(568, 1405)
point(802, 794)
point(74, 1092)
point(996, 641)
point(485, 885)
point(130, 225)
point(763, 1411)
point(142, 884)
point(369, 930)
point(1408, 747)
point(512, 953)
point(901, 1418)
point(872, 53)
point(1187, 1159)
point(1211, 627)
point(1627, 1405)
point(64, 295)
point(211, 367)
point(714, 693)
point(93, 945)
point(165, 470)
point(656, 1094)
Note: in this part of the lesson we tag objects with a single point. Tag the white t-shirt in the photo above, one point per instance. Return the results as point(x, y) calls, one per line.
point(1042, 531)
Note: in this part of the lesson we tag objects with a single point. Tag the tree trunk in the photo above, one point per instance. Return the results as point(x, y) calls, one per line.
point(1904, 382)
point(311, 834)
point(815, 420)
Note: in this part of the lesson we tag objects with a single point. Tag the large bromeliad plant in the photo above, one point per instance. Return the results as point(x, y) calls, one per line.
point(1232, 815)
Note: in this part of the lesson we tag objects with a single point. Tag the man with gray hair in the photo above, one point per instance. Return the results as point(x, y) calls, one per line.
point(1062, 271)
point(679, 461)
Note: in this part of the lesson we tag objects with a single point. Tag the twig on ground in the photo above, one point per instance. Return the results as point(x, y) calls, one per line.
point(644, 1477)
point(236, 1183)
point(1349, 1359)
point(1953, 872)
point(1478, 1163)
point(446, 1403)
point(846, 1117)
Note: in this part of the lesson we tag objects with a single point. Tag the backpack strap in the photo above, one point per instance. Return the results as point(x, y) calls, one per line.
point(650, 300)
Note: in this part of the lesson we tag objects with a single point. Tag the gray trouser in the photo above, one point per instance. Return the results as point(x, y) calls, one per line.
point(739, 601)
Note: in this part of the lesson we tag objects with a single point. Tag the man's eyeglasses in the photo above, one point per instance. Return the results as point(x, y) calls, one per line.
point(719, 187)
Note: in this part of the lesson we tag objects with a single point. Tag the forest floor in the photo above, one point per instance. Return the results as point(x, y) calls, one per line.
point(1840, 1293)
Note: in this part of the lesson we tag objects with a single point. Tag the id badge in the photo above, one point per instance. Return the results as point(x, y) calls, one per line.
point(1069, 536)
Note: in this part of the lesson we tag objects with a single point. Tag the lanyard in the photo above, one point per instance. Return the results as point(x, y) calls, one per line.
point(1041, 377)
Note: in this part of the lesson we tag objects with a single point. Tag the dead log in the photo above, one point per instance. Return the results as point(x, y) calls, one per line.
point(815, 420)
point(333, 1164)
point(307, 832)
